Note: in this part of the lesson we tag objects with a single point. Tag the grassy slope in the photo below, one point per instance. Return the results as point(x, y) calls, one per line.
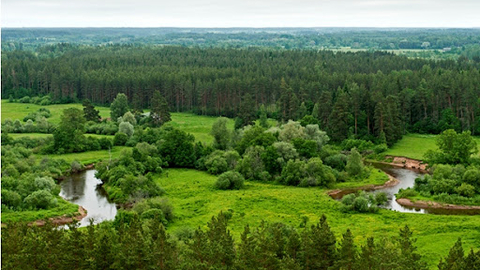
point(195, 201)
point(15, 111)
point(415, 146)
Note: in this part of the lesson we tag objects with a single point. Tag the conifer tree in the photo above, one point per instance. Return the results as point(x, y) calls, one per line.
point(159, 113)
point(89, 111)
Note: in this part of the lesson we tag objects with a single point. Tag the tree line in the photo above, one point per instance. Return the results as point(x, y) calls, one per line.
point(128, 243)
point(362, 94)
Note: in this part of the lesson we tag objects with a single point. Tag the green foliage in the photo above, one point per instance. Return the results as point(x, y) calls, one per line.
point(453, 148)
point(126, 128)
point(119, 106)
point(220, 133)
point(69, 135)
point(159, 113)
point(89, 111)
point(120, 139)
point(230, 180)
point(176, 148)
point(362, 203)
point(354, 165)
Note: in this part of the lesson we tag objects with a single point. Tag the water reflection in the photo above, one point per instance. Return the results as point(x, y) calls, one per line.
point(83, 189)
point(407, 179)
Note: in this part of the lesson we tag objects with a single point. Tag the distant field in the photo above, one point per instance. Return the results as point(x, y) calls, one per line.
point(415, 146)
point(195, 201)
point(197, 125)
point(90, 156)
point(15, 111)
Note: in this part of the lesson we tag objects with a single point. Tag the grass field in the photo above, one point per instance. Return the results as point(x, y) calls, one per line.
point(63, 208)
point(90, 156)
point(415, 146)
point(197, 125)
point(15, 111)
point(195, 201)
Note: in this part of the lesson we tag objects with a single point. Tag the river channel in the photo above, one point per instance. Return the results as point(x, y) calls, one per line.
point(85, 190)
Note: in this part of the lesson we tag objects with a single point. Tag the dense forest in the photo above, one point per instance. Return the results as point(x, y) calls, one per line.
point(363, 94)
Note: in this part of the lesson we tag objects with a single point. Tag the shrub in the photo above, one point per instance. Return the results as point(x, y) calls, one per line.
point(154, 213)
point(381, 198)
point(465, 190)
point(230, 180)
point(40, 199)
point(120, 139)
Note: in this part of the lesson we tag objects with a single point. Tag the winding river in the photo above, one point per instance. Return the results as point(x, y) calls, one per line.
point(85, 190)
point(406, 178)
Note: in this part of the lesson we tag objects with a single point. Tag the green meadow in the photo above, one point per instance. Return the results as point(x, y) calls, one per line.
point(15, 111)
point(63, 208)
point(195, 201)
point(415, 146)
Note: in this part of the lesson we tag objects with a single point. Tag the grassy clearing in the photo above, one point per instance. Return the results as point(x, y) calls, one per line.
point(197, 125)
point(415, 146)
point(90, 156)
point(15, 111)
point(195, 201)
point(63, 208)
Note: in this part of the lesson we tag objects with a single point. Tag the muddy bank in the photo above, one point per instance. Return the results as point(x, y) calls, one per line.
point(407, 163)
point(435, 205)
point(339, 193)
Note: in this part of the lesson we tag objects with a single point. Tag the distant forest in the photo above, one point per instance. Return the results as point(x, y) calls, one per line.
point(364, 94)
point(454, 41)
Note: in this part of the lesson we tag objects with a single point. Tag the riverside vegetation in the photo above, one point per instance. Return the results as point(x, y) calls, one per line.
point(291, 140)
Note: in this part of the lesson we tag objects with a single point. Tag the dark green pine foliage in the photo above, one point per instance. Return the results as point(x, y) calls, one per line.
point(410, 259)
point(366, 258)
point(288, 102)
point(246, 115)
point(340, 118)
point(324, 109)
point(263, 117)
point(159, 113)
point(89, 111)
point(213, 249)
point(319, 246)
point(347, 253)
point(454, 259)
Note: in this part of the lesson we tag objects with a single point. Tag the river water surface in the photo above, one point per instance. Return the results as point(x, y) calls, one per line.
point(85, 190)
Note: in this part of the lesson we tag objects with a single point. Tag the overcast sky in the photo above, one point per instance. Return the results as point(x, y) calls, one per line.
point(240, 13)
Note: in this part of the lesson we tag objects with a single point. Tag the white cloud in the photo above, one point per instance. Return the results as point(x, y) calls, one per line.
point(246, 13)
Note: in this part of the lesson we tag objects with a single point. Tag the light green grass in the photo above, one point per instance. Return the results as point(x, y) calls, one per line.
point(376, 177)
point(197, 125)
point(90, 156)
point(44, 135)
point(15, 111)
point(415, 146)
point(63, 208)
point(195, 201)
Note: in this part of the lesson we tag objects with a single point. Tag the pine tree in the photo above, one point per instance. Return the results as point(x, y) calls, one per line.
point(455, 258)
point(89, 111)
point(339, 118)
point(263, 117)
point(159, 113)
point(247, 111)
point(347, 254)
